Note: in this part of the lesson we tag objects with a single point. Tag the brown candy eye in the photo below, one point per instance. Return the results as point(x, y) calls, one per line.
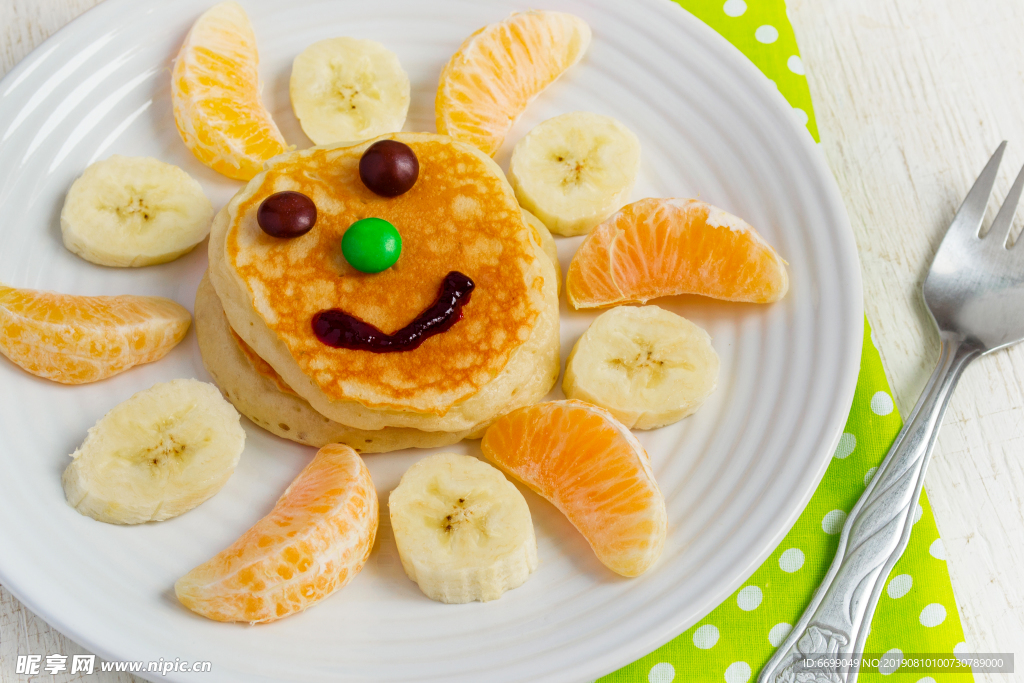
point(389, 168)
point(286, 214)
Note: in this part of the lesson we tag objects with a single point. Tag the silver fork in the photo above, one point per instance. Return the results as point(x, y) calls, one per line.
point(975, 294)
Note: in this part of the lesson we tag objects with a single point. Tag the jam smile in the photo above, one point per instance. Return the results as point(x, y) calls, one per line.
point(341, 330)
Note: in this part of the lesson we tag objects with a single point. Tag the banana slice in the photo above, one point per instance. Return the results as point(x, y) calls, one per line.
point(547, 243)
point(160, 453)
point(575, 170)
point(646, 366)
point(134, 211)
point(346, 90)
point(463, 530)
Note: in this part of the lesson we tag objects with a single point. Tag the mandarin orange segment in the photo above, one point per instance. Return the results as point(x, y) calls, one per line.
point(499, 69)
point(78, 339)
point(662, 247)
point(593, 469)
point(215, 95)
point(314, 541)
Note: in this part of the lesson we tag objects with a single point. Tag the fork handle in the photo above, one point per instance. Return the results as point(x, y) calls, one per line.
point(875, 534)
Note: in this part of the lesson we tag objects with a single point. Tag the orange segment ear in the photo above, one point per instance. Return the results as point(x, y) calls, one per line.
point(488, 82)
point(589, 466)
point(78, 339)
point(314, 541)
point(215, 93)
point(662, 247)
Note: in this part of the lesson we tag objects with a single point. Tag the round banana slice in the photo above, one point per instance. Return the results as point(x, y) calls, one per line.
point(134, 211)
point(160, 453)
point(463, 530)
point(346, 90)
point(644, 365)
point(575, 170)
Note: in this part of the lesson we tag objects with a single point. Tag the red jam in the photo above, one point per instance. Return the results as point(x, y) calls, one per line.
point(337, 328)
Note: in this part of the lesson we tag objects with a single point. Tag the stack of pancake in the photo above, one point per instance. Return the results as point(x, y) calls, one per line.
point(254, 309)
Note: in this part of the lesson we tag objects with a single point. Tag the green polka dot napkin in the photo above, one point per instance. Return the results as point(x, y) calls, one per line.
point(916, 612)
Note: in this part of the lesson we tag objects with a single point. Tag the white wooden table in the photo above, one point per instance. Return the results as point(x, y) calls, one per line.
point(911, 99)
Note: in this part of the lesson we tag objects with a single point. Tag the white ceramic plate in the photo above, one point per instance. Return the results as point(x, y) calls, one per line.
point(735, 475)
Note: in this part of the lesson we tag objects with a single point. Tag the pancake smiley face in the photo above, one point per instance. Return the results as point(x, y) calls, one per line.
point(468, 263)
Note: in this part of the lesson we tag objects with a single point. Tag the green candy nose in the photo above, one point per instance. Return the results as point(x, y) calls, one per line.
point(371, 245)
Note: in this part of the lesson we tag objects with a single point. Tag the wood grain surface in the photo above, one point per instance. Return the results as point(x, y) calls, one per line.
point(911, 97)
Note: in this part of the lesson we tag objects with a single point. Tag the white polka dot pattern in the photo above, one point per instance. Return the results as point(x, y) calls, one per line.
point(932, 615)
point(662, 672)
point(705, 637)
point(749, 598)
point(832, 523)
point(779, 633)
point(766, 34)
point(737, 672)
point(891, 661)
point(791, 560)
point(881, 403)
point(847, 442)
point(899, 586)
point(734, 8)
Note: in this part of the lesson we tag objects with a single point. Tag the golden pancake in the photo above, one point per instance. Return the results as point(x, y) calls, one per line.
point(460, 215)
point(260, 394)
point(547, 242)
